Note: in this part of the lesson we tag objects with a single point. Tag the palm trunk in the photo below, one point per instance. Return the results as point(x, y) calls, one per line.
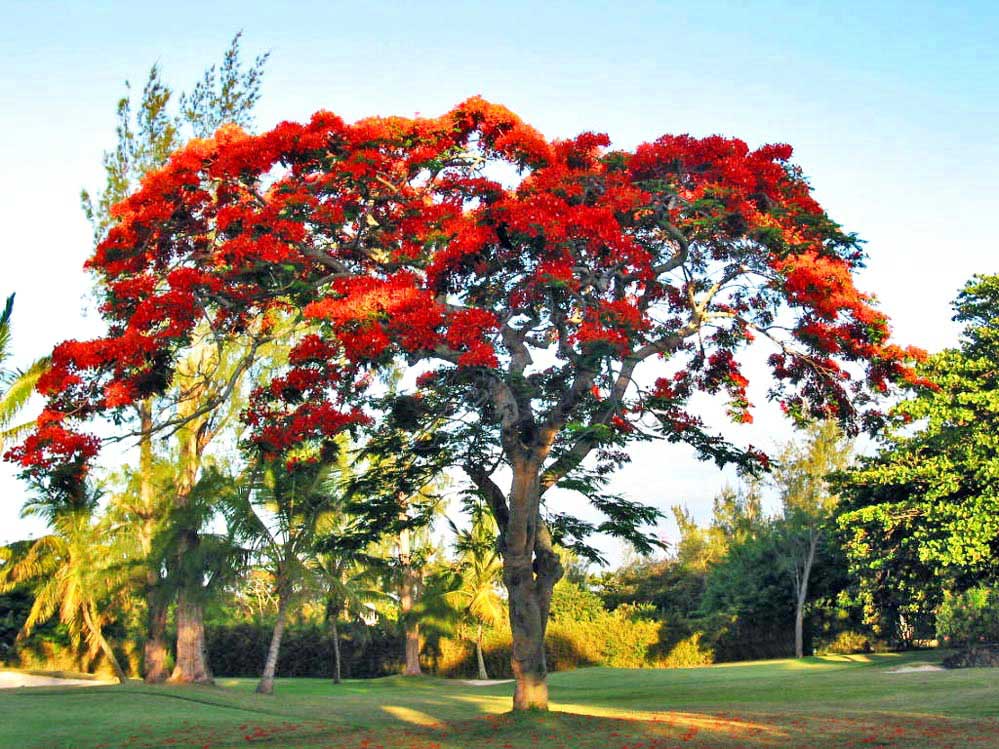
point(192, 655)
point(530, 570)
point(407, 595)
point(98, 635)
point(478, 654)
point(266, 685)
point(799, 611)
point(336, 651)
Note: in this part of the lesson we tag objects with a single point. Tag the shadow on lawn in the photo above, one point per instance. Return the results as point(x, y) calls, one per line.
point(413, 729)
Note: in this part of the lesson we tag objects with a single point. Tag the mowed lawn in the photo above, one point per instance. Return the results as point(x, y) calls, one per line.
point(847, 701)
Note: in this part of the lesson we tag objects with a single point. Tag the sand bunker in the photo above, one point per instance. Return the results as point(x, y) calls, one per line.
point(14, 679)
point(916, 667)
point(484, 682)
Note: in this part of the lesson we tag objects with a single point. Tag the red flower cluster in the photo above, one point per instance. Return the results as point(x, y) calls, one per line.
point(386, 234)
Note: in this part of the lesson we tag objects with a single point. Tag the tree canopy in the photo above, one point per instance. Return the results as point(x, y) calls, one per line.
point(528, 279)
point(922, 515)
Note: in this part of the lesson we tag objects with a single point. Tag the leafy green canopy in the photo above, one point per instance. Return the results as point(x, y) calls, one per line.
point(923, 514)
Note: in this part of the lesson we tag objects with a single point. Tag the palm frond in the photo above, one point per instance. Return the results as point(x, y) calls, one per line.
point(5, 328)
point(20, 389)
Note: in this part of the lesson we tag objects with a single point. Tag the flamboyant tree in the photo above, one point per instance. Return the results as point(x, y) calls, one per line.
point(560, 297)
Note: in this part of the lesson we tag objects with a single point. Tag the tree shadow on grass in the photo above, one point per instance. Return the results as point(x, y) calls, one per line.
point(412, 729)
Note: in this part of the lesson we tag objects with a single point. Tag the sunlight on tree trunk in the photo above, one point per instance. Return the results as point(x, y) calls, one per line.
point(266, 685)
point(407, 595)
point(105, 647)
point(478, 653)
point(192, 656)
point(530, 570)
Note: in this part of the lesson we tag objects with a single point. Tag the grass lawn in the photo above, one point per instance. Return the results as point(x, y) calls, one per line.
point(818, 703)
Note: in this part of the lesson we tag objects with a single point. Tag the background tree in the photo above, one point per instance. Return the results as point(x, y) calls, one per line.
point(72, 571)
point(477, 596)
point(542, 310)
point(922, 516)
point(808, 506)
point(278, 513)
point(148, 131)
point(349, 581)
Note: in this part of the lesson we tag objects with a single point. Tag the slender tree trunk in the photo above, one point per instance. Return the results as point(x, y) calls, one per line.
point(192, 654)
point(336, 651)
point(95, 630)
point(478, 654)
point(155, 647)
point(407, 599)
point(266, 685)
point(530, 570)
point(799, 612)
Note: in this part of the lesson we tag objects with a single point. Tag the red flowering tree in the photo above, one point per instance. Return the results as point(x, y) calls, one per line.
point(533, 281)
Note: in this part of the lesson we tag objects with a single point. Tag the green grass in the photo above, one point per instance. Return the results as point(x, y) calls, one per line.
point(818, 703)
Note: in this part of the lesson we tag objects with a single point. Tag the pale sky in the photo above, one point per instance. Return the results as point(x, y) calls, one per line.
point(893, 112)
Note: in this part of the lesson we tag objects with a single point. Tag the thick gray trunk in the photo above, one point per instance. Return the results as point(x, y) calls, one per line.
point(192, 655)
point(530, 570)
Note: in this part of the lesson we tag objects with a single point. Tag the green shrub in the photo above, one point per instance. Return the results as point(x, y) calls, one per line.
point(970, 617)
point(847, 642)
point(690, 651)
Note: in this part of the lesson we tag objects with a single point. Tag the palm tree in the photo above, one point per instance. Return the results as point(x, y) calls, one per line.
point(278, 513)
point(349, 583)
point(478, 597)
point(16, 386)
point(69, 573)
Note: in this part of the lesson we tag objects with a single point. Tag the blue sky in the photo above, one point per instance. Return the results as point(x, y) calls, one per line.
point(892, 107)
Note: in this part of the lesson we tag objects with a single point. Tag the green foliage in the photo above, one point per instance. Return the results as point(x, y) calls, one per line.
point(148, 131)
point(573, 603)
point(922, 516)
point(970, 617)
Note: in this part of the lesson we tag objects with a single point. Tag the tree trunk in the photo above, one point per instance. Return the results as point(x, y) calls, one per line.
point(530, 570)
point(192, 655)
point(407, 596)
point(336, 651)
point(799, 611)
point(97, 634)
point(155, 648)
point(266, 685)
point(478, 654)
